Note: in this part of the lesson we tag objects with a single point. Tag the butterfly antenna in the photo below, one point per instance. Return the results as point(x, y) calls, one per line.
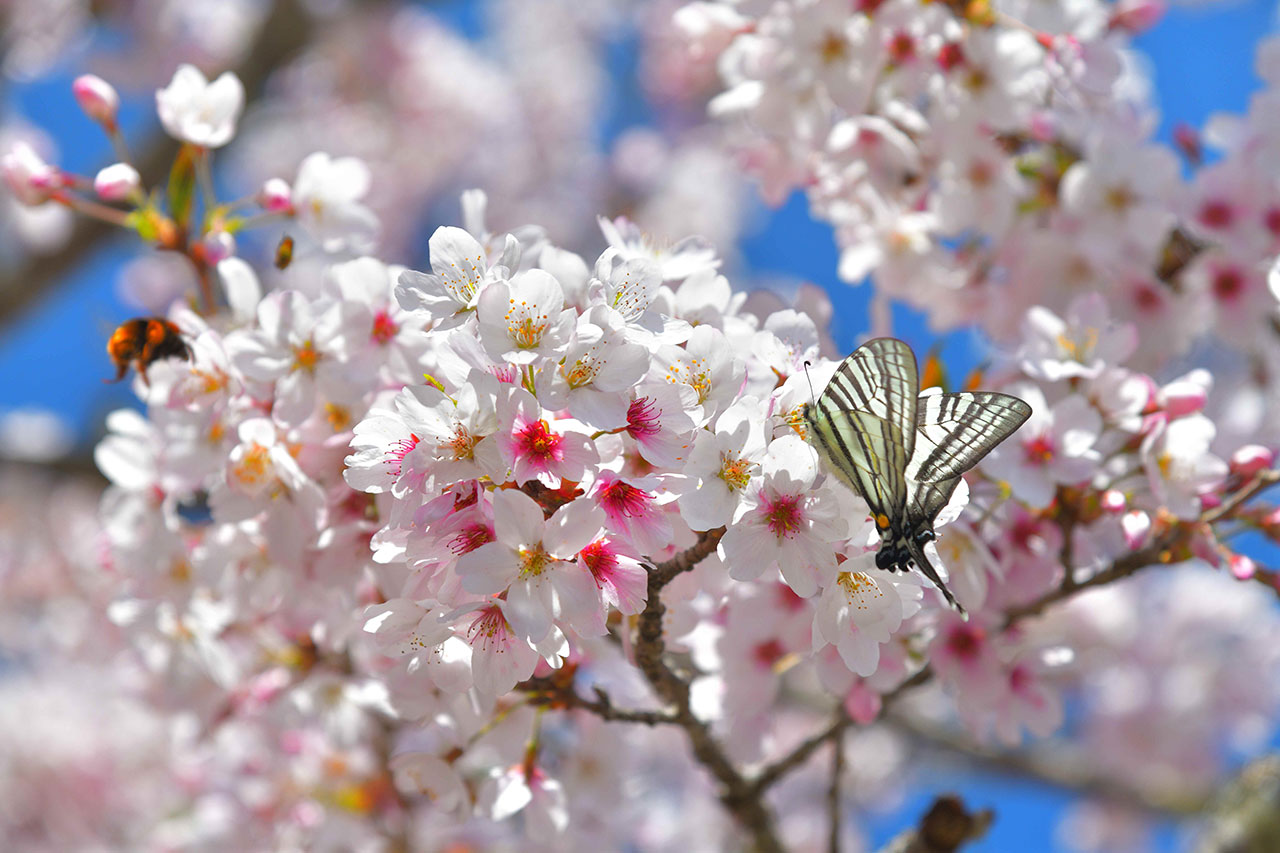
point(807, 378)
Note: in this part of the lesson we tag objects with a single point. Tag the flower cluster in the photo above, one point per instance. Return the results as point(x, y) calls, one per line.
point(471, 554)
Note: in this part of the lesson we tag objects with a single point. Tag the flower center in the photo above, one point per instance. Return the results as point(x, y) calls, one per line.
point(306, 357)
point(642, 417)
point(470, 538)
point(538, 441)
point(783, 516)
point(622, 498)
point(1039, 450)
point(398, 451)
point(735, 471)
point(534, 561)
point(384, 328)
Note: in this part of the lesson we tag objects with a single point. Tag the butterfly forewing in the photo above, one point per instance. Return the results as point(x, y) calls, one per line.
point(864, 423)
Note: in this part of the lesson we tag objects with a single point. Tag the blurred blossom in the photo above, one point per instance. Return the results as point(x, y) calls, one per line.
point(34, 435)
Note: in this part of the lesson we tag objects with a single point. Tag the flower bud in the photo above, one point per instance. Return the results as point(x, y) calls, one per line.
point(1184, 396)
point(1113, 501)
point(218, 246)
point(97, 98)
point(31, 179)
point(862, 703)
point(1251, 459)
point(1210, 500)
point(117, 182)
point(1242, 567)
point(1136, 526)
point(1136, 16)
point(276, 196)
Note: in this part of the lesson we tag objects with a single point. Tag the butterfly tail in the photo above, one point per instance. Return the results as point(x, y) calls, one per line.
point(926, 568)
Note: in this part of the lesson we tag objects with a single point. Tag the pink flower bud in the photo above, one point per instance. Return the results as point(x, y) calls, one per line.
point(1136, 526)
point(1209, 500)
point(1136, 16)
point(1242, 567)
point(1113, 501)
point(117, 182)
point(218, 246)
point(97, 98)
point(862, 703)
point(276, 196)
point(1251, 459)
point(1182, 397)
point(31, 179)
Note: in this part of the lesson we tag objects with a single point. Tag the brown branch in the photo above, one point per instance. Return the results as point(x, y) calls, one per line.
point(286, 30)
point(1062, 767)
point(800, 754)
point(945, 828)
point(554, 692)
point(741, 799)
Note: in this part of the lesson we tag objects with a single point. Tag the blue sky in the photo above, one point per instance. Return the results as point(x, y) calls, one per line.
point(53, 356)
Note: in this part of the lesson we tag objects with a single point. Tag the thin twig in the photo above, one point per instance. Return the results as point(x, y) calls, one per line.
point(550, 691)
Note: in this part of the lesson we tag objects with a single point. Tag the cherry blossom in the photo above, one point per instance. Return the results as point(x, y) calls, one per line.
point(200, 112)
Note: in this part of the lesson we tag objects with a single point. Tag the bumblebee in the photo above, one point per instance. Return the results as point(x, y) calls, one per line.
point(142, 342)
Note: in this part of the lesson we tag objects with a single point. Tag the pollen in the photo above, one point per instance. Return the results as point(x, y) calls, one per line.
point(833, 47)
point(463, 444)
point(859, 589)
point(643, 417)
point(306, 357)
point(533, 561)
point(397, 452)
point(1080, 347)
point(736, 472)
point(339, 417)
point(525, 329)
point(251, 469)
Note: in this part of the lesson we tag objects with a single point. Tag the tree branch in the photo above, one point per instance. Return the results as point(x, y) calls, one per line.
point(739, 797)
point(833, 794)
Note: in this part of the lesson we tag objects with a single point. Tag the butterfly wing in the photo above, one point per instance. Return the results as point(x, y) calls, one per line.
point(863, 424)
point(953, 433)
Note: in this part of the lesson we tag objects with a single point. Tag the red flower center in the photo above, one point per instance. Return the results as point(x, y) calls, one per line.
point(384, 328)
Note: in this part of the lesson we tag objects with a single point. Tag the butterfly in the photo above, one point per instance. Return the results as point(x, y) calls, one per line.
point(904, 452)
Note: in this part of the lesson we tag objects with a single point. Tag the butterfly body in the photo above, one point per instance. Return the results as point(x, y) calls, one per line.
point(904, 452)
